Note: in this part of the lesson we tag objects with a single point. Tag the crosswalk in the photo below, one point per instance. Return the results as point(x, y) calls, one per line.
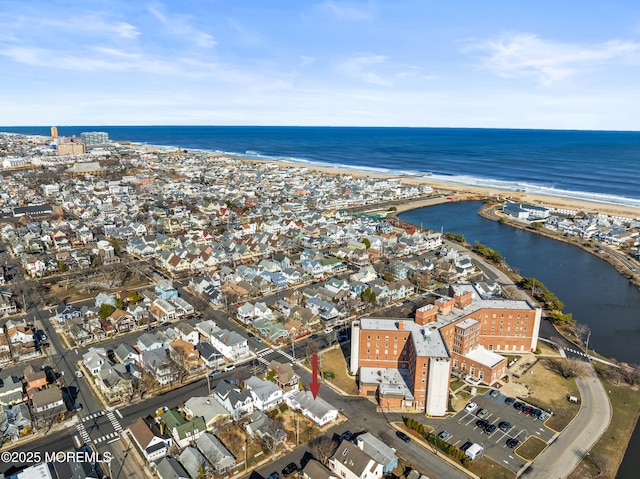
point(579, 353)
point(83, 433)
point(110, 437)
point(265, 352)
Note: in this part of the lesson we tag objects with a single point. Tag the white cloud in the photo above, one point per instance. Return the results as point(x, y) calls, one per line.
point(352, 11)
point(515, 55)
point(181, 26)
point(367, 68)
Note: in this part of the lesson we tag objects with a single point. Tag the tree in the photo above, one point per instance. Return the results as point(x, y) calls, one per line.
point(105, 310)
point(566, 367)
point(387, 276)
point(366, 243)
point(582, 331)
point(322, 448)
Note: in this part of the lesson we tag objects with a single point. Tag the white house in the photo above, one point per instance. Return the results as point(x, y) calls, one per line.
point(318, 410)
point(266, 395)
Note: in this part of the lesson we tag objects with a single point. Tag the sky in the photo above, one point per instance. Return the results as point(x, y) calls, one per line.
point(421, 63)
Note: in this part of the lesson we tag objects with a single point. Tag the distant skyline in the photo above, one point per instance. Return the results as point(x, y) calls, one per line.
point(499, 64)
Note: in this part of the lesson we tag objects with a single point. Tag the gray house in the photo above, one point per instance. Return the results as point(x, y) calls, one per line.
point(215, 452)
point(170, 468)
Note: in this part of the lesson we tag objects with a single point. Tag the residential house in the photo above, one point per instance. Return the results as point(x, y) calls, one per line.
point(158, 363)
point(237, 403)
point(170, 468)
point(150, 441)
point(377, 450)
point(188, 333)
point(316, 470)
point(185, 355)
point(115, 383)
point(215, 452)
point(194, 463)
point(48, 402)
point(316, 409)
point(94, 360)
point(285, 376)
point(210, 410)
point(209, 355)
point(5, 350)
point(34, 379)
point(231, 344)
point(148, 342)
point(266, 395)
point(165, 290)
point(11, 391)
point(126, 354)
point(162, 311)
point(183, 431)
point(349, 462)
point(122, 320)
point(15, 421)
point(265, 428)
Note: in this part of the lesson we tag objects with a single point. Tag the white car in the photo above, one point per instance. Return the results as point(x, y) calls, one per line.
point(79, 374)
point(230, 367)
point(470, 407)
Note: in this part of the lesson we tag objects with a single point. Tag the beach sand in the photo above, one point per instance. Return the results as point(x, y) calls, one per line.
point(459, 192)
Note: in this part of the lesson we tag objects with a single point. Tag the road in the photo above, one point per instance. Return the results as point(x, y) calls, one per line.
point(575, 441)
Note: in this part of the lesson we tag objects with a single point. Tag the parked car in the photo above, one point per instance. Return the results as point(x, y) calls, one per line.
point(543, 416)
point(274, 475)
point(509, 401)
point(444, 435)
point(470, 407)
point(342, 338)
point(313, 336)
point(482, 413)
point(258, 340)
point(215, 372)
point(346, 436)
point(230, 367)
point(494, 393)
point(79, 373)
point(512, 442)
point(251, 335)
point(536, 413)
point(482, 423)
point(490, 429)
point(77, 407)
point(403, 436)
point(289, 469)
point(504, 426)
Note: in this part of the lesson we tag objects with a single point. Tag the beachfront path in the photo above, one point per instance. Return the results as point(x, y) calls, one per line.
point(563, 455)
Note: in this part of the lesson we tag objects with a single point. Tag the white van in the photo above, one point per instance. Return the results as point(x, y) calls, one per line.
point(474, 451)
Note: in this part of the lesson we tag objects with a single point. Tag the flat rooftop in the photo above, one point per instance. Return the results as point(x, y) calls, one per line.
point(427, 339)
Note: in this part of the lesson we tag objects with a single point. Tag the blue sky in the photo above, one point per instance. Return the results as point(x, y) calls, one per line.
point(514, 64)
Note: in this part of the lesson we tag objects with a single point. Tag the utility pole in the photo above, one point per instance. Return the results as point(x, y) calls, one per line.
point(587, 343)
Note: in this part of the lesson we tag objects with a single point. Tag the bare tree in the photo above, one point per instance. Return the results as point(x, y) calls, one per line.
point(582, 331)
point(322, 448)
point(566, 367)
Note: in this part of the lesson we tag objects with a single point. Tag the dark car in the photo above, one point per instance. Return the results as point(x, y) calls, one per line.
point(509, 401)
point(313, 336)
point(490, 429)
point(519, 405)
point(527, 410)
point(289, 469)
point(466, 446)
point(512, 442)
point(274, 475)
point(346, 436)
point(251, 335)
point(403, 436)
point(504, 426)
point(482, 423)
point(536, 413)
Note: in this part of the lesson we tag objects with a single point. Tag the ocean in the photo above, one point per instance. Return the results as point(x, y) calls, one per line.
point(591, 165)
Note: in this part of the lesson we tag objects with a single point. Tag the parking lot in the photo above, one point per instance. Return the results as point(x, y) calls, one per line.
point(463, 428)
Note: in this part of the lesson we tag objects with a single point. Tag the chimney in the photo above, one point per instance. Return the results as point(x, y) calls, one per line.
point(400, 325)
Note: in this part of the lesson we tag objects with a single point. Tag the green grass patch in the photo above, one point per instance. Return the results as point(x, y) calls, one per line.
point(530, 448)
point(456, 384)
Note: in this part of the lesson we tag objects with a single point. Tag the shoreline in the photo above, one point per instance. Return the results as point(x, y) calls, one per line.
point(461, 192)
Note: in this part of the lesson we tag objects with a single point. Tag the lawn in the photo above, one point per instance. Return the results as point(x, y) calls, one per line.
point(486, 467)
point(549, 392)
point(531, 448)
point(334, 361)
point(605, 457)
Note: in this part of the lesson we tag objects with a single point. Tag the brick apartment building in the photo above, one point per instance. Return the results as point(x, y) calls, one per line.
point(406, 363)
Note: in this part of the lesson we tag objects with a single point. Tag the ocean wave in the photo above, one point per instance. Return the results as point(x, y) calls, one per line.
point(536, 189)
